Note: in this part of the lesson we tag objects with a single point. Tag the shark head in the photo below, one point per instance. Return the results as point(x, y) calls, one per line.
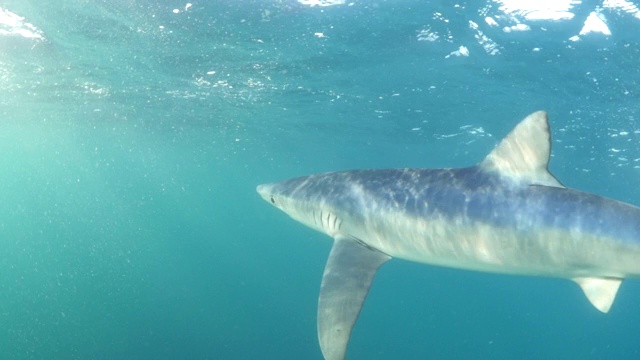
point(303, 200)
point(270, 192)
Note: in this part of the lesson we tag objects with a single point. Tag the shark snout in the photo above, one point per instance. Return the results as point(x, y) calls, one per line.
point(265, 191)
point(261, 189)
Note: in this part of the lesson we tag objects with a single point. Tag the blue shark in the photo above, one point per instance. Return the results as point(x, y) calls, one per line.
point(507, 214)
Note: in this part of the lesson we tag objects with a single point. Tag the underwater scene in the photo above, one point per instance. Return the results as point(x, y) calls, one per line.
point(133, 135)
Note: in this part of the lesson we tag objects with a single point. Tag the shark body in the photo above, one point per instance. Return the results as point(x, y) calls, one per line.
point(507, 214)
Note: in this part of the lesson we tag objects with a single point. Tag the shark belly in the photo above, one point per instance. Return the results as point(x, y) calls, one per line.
point(530, 246)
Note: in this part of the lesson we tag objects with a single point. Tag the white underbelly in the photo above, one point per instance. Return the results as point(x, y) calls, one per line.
point(482, 247)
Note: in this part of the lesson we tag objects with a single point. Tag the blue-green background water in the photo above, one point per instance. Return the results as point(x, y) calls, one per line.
point(132, 137)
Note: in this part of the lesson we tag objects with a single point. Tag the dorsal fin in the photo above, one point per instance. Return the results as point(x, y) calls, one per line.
point(524, 153)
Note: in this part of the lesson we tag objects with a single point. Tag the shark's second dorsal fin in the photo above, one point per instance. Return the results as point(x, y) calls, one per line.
point(524, 153)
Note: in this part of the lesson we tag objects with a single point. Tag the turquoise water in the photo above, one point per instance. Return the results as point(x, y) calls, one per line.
point(133, 134)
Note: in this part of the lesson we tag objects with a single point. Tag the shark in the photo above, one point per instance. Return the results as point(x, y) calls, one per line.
point(506, 214)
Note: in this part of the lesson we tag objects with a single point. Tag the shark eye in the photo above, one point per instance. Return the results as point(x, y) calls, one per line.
point(273, 201)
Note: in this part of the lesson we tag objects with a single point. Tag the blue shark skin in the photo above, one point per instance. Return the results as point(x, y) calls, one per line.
point(507, 214)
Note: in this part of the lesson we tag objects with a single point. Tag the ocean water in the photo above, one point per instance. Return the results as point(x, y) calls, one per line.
point(133, 134)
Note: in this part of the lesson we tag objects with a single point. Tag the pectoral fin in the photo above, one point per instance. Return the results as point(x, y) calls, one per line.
point(347, 277)
point(601, 292)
